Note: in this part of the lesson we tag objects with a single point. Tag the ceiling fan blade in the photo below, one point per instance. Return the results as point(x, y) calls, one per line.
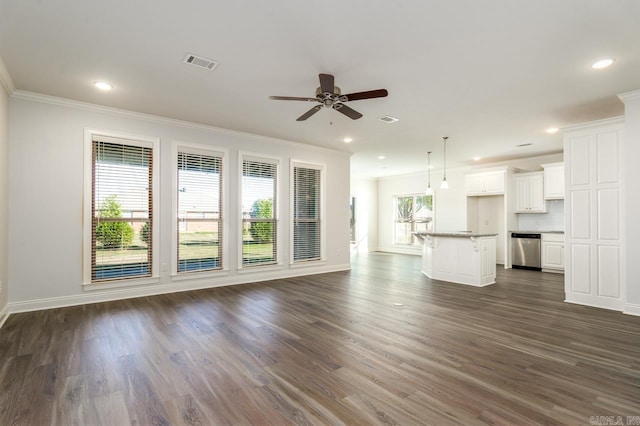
point(380, 93)
point(349, 112)
point(292, 98)
point(309, 113)
point(327, 83)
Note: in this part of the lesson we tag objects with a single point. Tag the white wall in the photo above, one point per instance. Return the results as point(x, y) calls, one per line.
point(631, 199)
point(46, 199)
point(366, 193)
point(4, 200)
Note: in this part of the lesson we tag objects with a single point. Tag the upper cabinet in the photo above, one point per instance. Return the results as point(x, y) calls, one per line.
point(529, 193)
point(485, 183)
point(553, 181)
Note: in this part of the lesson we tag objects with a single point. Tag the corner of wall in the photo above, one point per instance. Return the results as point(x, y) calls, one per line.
point(631, 203)
point(5, 79)
point(4, 315)
point(5, 91)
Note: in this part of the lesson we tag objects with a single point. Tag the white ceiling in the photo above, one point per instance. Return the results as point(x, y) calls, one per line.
point(489, 74)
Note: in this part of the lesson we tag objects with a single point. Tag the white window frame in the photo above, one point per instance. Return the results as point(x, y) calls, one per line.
point(179, 146)
point(323, 210)
point(395, 208)
point(134, 140)
point(252, 156)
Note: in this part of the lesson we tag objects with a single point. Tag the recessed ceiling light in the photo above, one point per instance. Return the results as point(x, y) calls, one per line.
point(102, 85)
point(381, 157)
point(552, 129)
point(347, 140)
point(476, 158)
point(602, 63)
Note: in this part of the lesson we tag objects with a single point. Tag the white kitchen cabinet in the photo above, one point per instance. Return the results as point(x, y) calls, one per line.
point(461, 258)
point(553, 181)
point(529, 193)
point(594, 237)
point(486, 183)
point(553, 252)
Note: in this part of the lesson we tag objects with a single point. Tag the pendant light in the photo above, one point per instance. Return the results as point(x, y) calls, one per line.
point(429, 190)
point(445, 184)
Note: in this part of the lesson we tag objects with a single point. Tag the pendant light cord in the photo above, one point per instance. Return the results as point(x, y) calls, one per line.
point(444, 138)
point(429, 168)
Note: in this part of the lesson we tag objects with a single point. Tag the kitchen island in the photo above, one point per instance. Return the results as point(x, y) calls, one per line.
point(459, 257)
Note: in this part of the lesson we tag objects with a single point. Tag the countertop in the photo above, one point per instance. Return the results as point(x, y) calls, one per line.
point(537, 232)
point(453, 234)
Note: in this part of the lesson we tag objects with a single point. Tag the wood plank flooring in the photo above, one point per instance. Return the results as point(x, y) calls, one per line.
point(380, 344)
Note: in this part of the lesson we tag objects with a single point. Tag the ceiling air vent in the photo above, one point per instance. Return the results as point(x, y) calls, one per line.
point(388, 119)
point(200, 62)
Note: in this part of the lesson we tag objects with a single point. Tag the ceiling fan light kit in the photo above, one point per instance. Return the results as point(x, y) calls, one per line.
point(328, 95)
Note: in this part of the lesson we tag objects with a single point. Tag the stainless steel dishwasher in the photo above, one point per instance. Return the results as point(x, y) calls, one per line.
point(525, 251)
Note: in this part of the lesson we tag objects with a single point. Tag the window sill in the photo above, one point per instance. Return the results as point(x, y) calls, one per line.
point(106, 285)
point(199, 275)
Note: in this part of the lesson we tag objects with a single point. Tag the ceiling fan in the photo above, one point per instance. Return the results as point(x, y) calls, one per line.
point(329, 96)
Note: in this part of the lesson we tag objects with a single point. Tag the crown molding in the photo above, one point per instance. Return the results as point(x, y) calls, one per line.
point(5, 78)
point(633, 95)
point(613, 121)
point(86, 106)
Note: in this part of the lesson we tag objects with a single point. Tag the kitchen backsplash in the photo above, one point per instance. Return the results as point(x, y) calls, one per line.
point(553, 220)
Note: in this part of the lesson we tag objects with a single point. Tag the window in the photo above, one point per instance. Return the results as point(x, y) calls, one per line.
point(121, 208)
point(199, 210)
point(259, 206)
point(306, 213)
point(413, 213)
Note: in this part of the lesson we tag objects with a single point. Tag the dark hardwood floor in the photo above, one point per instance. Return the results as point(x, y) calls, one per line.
point(379, 344)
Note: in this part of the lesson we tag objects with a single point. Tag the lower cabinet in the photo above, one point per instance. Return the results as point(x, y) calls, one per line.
point(553, 252)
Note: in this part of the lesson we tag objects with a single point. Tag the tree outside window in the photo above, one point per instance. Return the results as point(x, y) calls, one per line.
point(413, 213)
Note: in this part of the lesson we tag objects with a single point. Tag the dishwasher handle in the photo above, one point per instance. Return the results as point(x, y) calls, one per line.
point(519, 235)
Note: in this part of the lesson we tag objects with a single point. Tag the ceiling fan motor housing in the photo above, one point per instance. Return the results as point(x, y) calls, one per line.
point(328, 95)
point(328, 99)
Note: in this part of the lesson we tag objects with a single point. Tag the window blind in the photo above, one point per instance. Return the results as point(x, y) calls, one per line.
point(200, 221)
point(259, 224)
point(306, 214)
point(122, 213)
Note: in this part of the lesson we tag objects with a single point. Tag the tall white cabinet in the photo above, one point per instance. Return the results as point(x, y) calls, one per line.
point(593, 214)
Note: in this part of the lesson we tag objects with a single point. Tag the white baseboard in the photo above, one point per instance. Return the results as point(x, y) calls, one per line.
point(4, 315)
point(96, 296)
point(632, 309)
point(553, 271)
point(416, 251)
point(596, 302)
